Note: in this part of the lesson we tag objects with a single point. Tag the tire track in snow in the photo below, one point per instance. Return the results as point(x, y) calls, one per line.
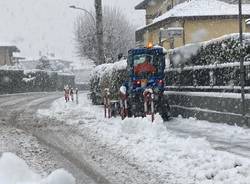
point(22, 117)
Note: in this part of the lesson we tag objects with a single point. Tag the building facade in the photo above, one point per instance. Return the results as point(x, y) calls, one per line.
point(155, 8)
point(174, 23)
point(6, 55)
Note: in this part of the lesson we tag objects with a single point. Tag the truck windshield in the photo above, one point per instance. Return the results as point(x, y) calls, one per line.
point(140, 59)
point(142, 64)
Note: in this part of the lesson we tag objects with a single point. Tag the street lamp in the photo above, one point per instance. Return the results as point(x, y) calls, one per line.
point(86, 11)
point(242, 68)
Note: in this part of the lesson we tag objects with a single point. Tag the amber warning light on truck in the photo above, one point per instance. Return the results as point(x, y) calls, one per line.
point(149, 45)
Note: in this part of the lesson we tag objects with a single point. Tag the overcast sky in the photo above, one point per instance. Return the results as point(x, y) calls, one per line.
point(47, 25)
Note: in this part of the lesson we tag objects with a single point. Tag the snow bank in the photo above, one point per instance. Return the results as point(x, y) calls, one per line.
point(152, 147)
point(14, 170)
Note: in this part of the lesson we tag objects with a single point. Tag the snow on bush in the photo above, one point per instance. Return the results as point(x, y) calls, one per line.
point(111, 76)
point(29, 79)
point(14, 170)
point(16, 81)
point(220, 50)
point(9, 67)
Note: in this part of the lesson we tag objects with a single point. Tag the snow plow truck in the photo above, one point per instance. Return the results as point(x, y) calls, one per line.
point(143, 93)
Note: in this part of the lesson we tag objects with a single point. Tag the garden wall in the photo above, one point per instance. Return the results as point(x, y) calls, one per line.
point(210, 106)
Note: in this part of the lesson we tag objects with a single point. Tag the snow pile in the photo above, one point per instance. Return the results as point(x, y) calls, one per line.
point(14, 170)
point(153, 148)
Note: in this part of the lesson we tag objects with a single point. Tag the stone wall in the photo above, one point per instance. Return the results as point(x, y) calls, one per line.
point(210, 106)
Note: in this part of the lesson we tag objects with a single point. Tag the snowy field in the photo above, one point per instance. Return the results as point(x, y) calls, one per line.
point(153, 148)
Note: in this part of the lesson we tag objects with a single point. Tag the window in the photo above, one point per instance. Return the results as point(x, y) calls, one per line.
point(139, 59)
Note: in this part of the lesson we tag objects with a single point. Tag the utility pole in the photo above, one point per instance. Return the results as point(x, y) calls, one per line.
point(160, 36)
point(99, 31)
point(242, 68)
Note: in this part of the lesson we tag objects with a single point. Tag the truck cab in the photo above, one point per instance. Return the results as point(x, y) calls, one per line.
point(140, 80)
point(142, 94)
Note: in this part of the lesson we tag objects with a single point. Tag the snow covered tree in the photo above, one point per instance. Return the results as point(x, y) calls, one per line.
point(118, 35)
point(44, 64)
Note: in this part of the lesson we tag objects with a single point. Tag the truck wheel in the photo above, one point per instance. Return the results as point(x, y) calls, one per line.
point(165, 112)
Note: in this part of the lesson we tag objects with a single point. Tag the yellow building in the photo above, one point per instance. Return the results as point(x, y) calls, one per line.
point(174, 23)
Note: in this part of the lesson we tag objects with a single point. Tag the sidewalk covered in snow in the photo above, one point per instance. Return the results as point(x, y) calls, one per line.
point(191, 157)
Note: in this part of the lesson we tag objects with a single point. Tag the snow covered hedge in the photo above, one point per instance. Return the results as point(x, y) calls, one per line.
point(225, 49)
point(111, 76)
point(211, 63)
point(19, 81)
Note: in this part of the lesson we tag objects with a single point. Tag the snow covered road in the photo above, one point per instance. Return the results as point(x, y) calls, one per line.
point(224, 137)
point(134, 151)
point(18, 127)
point(156, 154)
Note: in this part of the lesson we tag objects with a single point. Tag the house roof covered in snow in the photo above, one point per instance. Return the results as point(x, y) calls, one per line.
point(202, 8)
point(247, 21)
point(10, 46)
point(17, 55)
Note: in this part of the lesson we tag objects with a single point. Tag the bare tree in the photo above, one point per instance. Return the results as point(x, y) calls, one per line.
point(118, 35)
